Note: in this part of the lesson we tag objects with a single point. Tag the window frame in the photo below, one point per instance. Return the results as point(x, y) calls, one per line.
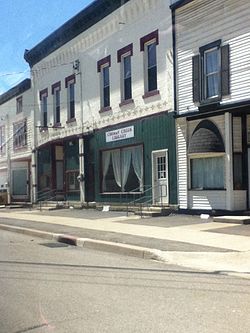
point(56, 92)
point(70, 86)
point(103, 65)
point(2, 140)
point(145, 43)
point(122, 148)
point(44, 108)
point(76, 182)
point(204, 50)
point(122, 54)
point(199, 75)
point(20, 134)
point(203, 156)
point(19, 104)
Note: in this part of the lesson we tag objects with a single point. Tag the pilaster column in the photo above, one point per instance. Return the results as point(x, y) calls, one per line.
point(34, 175)
point(229, 162)
point(81, 170)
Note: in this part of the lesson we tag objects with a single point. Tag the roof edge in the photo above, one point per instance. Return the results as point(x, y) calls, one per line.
point(179, 4)
point(15, 91)
point(89, 16)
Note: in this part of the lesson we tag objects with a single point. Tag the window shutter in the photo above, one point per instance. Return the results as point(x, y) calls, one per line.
point(196, 78)
point(225, 77)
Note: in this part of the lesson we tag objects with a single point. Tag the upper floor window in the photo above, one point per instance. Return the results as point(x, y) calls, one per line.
point(148, 45)
point(19, 104)
point(44, 107)
point(56, 90)
point(70, 85)
point(103, 68)
point(20, 134)
point(211, 73)
point(124, 57)
point(2, 140)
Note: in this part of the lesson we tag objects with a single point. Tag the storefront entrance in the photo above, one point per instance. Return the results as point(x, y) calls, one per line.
point(160, 177)
point(58, 169)
point(248, 159)
point(20, 184)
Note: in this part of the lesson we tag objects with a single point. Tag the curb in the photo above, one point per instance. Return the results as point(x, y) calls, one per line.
point(92, 244)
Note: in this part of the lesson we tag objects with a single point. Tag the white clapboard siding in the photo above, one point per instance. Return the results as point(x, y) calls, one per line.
point(201, 22)
point(207, 200)
point(181, 130)
point(240, 200)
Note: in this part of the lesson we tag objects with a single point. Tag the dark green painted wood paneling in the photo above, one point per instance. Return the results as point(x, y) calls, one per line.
point(71, 155)
point(155, 133)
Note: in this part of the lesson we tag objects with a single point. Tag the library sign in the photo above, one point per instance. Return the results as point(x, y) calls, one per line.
point(120, 134)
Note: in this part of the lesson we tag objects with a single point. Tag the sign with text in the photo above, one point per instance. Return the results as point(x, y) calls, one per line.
point(120, 134)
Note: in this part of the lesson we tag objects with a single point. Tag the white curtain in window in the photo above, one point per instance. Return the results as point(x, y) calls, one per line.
point(116, 161)
point(126, 162)
point(208, 173)
point(105, 167)
point(137, 161)
point(214, 172)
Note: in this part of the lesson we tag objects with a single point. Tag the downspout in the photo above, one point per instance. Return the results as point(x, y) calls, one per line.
point(8, 184)
point(175, 97)
point(81, 179)
point(34, 160)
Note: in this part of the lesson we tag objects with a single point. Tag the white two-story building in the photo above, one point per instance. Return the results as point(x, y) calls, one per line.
point(103, 91)
point(16, 142)
point(212, 79)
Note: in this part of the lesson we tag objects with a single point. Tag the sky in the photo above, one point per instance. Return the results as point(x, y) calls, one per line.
point(24, 23)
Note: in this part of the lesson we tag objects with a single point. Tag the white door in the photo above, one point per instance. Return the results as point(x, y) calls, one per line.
point(160, 177)
point(248, 151)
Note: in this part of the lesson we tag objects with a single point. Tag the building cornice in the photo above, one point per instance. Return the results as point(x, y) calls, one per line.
point(179, 4)
point(15, 91)
point(85, 19)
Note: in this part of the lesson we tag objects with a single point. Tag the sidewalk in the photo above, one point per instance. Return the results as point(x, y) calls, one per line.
point(179, 239)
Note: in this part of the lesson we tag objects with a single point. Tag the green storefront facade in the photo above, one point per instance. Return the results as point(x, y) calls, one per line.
point(136, 159)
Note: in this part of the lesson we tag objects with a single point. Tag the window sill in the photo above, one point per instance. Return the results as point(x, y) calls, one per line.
point(207, 189)
point(57, 125)
point(126, 102)
point(20, 148)
point(105, 109)
point(72, 120)
point(151, 93)
point(43, 129)
point(119, 193)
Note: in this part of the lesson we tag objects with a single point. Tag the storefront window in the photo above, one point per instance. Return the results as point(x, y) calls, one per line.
point(72, 181)
point(207, 173)
point(122, 170)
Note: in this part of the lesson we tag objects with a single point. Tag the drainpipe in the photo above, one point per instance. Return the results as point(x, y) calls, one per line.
point(8, 183)
point(81, 179)
point(229, 163)
point(34, 143)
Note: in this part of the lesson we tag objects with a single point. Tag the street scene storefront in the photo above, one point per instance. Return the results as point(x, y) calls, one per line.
point(134, 159)
point(58, 169)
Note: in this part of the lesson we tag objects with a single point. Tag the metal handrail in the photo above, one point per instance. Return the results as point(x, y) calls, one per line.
point(46, 196)
point(146, 202)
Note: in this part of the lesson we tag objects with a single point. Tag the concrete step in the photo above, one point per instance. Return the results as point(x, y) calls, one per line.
point(147, 213)
point(232, 219)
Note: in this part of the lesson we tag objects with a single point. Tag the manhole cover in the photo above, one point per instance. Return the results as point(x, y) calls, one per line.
point(54, 245)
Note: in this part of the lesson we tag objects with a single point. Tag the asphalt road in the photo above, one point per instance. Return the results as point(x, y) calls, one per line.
point(52, 287)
